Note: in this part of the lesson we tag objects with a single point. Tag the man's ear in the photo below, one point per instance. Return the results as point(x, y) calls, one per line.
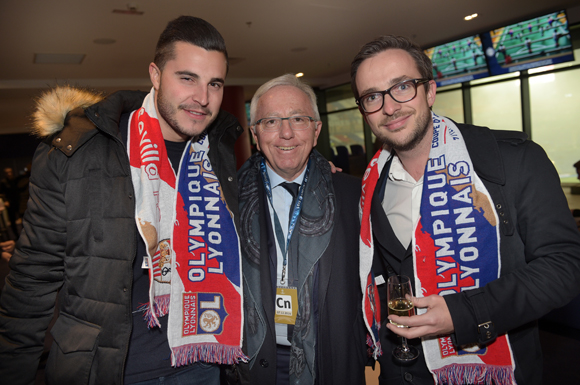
point(253, 131)
point(155, 75)
point(317, 132)
point(431, 93)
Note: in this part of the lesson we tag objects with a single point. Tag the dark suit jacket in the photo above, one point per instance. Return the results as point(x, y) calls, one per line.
point(540, 255)
point(341, 340)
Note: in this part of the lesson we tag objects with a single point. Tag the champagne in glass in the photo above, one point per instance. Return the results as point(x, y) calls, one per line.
point(399, 297)
point(402, 307)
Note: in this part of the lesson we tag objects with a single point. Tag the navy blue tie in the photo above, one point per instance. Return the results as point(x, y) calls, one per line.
point(292, 188)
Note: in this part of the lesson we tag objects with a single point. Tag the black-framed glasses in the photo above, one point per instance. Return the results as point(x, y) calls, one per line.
point(402, 92)
point(297, 123)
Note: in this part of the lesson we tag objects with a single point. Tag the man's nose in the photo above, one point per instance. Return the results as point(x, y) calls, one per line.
point(390, 106)
point(286, 130)
point(201, 95)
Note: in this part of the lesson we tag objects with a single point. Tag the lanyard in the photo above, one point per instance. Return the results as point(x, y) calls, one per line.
point(293, 218)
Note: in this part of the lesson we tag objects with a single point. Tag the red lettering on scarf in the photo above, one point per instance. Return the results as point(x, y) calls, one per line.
point(144, 150)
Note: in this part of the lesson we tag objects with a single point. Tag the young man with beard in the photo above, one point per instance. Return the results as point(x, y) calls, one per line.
point(475, 217)
point(131, 221)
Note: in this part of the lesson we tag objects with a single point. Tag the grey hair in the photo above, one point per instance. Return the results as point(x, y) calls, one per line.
point(284, 80)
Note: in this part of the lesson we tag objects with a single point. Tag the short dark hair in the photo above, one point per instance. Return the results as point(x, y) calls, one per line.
point(191, 30)
point(384, 43)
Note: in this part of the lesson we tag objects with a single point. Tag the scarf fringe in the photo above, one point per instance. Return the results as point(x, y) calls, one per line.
point(161, 307)
point(459, 374)
point(375, 348)
point(208, 352)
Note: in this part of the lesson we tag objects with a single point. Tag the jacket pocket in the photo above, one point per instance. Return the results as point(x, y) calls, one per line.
point(72, 352)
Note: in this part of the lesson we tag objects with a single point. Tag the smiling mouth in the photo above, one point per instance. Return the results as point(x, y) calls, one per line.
point(197, 113)
point(395, 124)
point(200, 113)
point(286, 148)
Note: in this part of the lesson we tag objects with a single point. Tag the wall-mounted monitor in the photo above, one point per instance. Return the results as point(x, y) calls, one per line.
point(458, 61)
point(528, 44)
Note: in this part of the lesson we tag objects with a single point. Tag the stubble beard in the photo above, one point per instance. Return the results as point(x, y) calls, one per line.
point(417, 135)
point(169, 114)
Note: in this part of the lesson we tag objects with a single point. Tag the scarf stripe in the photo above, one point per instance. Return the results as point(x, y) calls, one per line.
point(371, 301)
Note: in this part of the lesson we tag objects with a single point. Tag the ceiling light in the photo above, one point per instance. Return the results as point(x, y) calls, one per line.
point(471, 17)
point(58, 58)
point(299, 74)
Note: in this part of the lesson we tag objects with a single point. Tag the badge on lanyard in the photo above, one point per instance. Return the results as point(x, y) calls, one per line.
point(286, 305)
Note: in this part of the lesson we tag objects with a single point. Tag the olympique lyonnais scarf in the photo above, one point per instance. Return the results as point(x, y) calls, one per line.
point(455, 248)
point(193, 248)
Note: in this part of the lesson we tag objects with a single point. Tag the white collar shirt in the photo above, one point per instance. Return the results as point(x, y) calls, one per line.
point(402, 201)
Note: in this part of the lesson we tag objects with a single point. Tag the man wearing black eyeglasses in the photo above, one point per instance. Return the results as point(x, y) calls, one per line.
point(476, 217)
point(302, 293)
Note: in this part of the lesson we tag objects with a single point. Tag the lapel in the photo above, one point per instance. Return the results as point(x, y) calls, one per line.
point(267, 257)
point(382, 230)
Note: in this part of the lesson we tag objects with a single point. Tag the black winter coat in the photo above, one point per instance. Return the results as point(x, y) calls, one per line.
point(79, 240)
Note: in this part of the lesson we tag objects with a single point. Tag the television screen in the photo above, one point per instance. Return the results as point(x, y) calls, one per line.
point(458, 61)
point(528, 44)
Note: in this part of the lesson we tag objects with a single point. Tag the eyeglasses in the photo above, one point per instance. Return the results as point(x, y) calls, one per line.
point(297, 123)
point(402, 92)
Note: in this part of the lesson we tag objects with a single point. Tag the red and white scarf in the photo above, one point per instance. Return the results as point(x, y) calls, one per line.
point(193, 250)
point(455, 248)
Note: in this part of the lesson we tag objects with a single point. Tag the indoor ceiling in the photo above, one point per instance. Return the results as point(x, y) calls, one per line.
point(265, 38)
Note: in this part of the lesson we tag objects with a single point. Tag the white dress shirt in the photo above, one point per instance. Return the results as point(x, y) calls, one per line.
point(281, 202)
point(403, 202)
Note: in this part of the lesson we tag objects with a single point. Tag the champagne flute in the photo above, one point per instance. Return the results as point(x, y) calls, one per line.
point(399, 297)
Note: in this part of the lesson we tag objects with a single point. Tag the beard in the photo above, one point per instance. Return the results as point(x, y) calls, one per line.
point(416, 136)
point(168, 112)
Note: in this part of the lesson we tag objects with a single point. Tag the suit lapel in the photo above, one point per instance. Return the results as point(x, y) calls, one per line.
point(267, 258)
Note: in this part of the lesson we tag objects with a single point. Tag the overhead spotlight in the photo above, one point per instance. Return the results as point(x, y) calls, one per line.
point(299, 74)
point(470, 17)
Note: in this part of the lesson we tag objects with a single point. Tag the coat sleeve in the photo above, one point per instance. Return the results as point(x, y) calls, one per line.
point(540, 261)
point(28, 298)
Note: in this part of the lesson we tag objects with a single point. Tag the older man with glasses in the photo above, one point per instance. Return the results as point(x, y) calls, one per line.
point(302, 292)
point(475, 217)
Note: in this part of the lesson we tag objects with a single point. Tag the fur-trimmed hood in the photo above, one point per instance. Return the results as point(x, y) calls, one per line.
point(53, 106)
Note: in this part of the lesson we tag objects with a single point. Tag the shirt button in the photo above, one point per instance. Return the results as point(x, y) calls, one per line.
point(69, 147)
point(264, 363)
point(125, 289)
point(408, 377)
point(58, 140)
point(230, 178)
point(97, 114)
